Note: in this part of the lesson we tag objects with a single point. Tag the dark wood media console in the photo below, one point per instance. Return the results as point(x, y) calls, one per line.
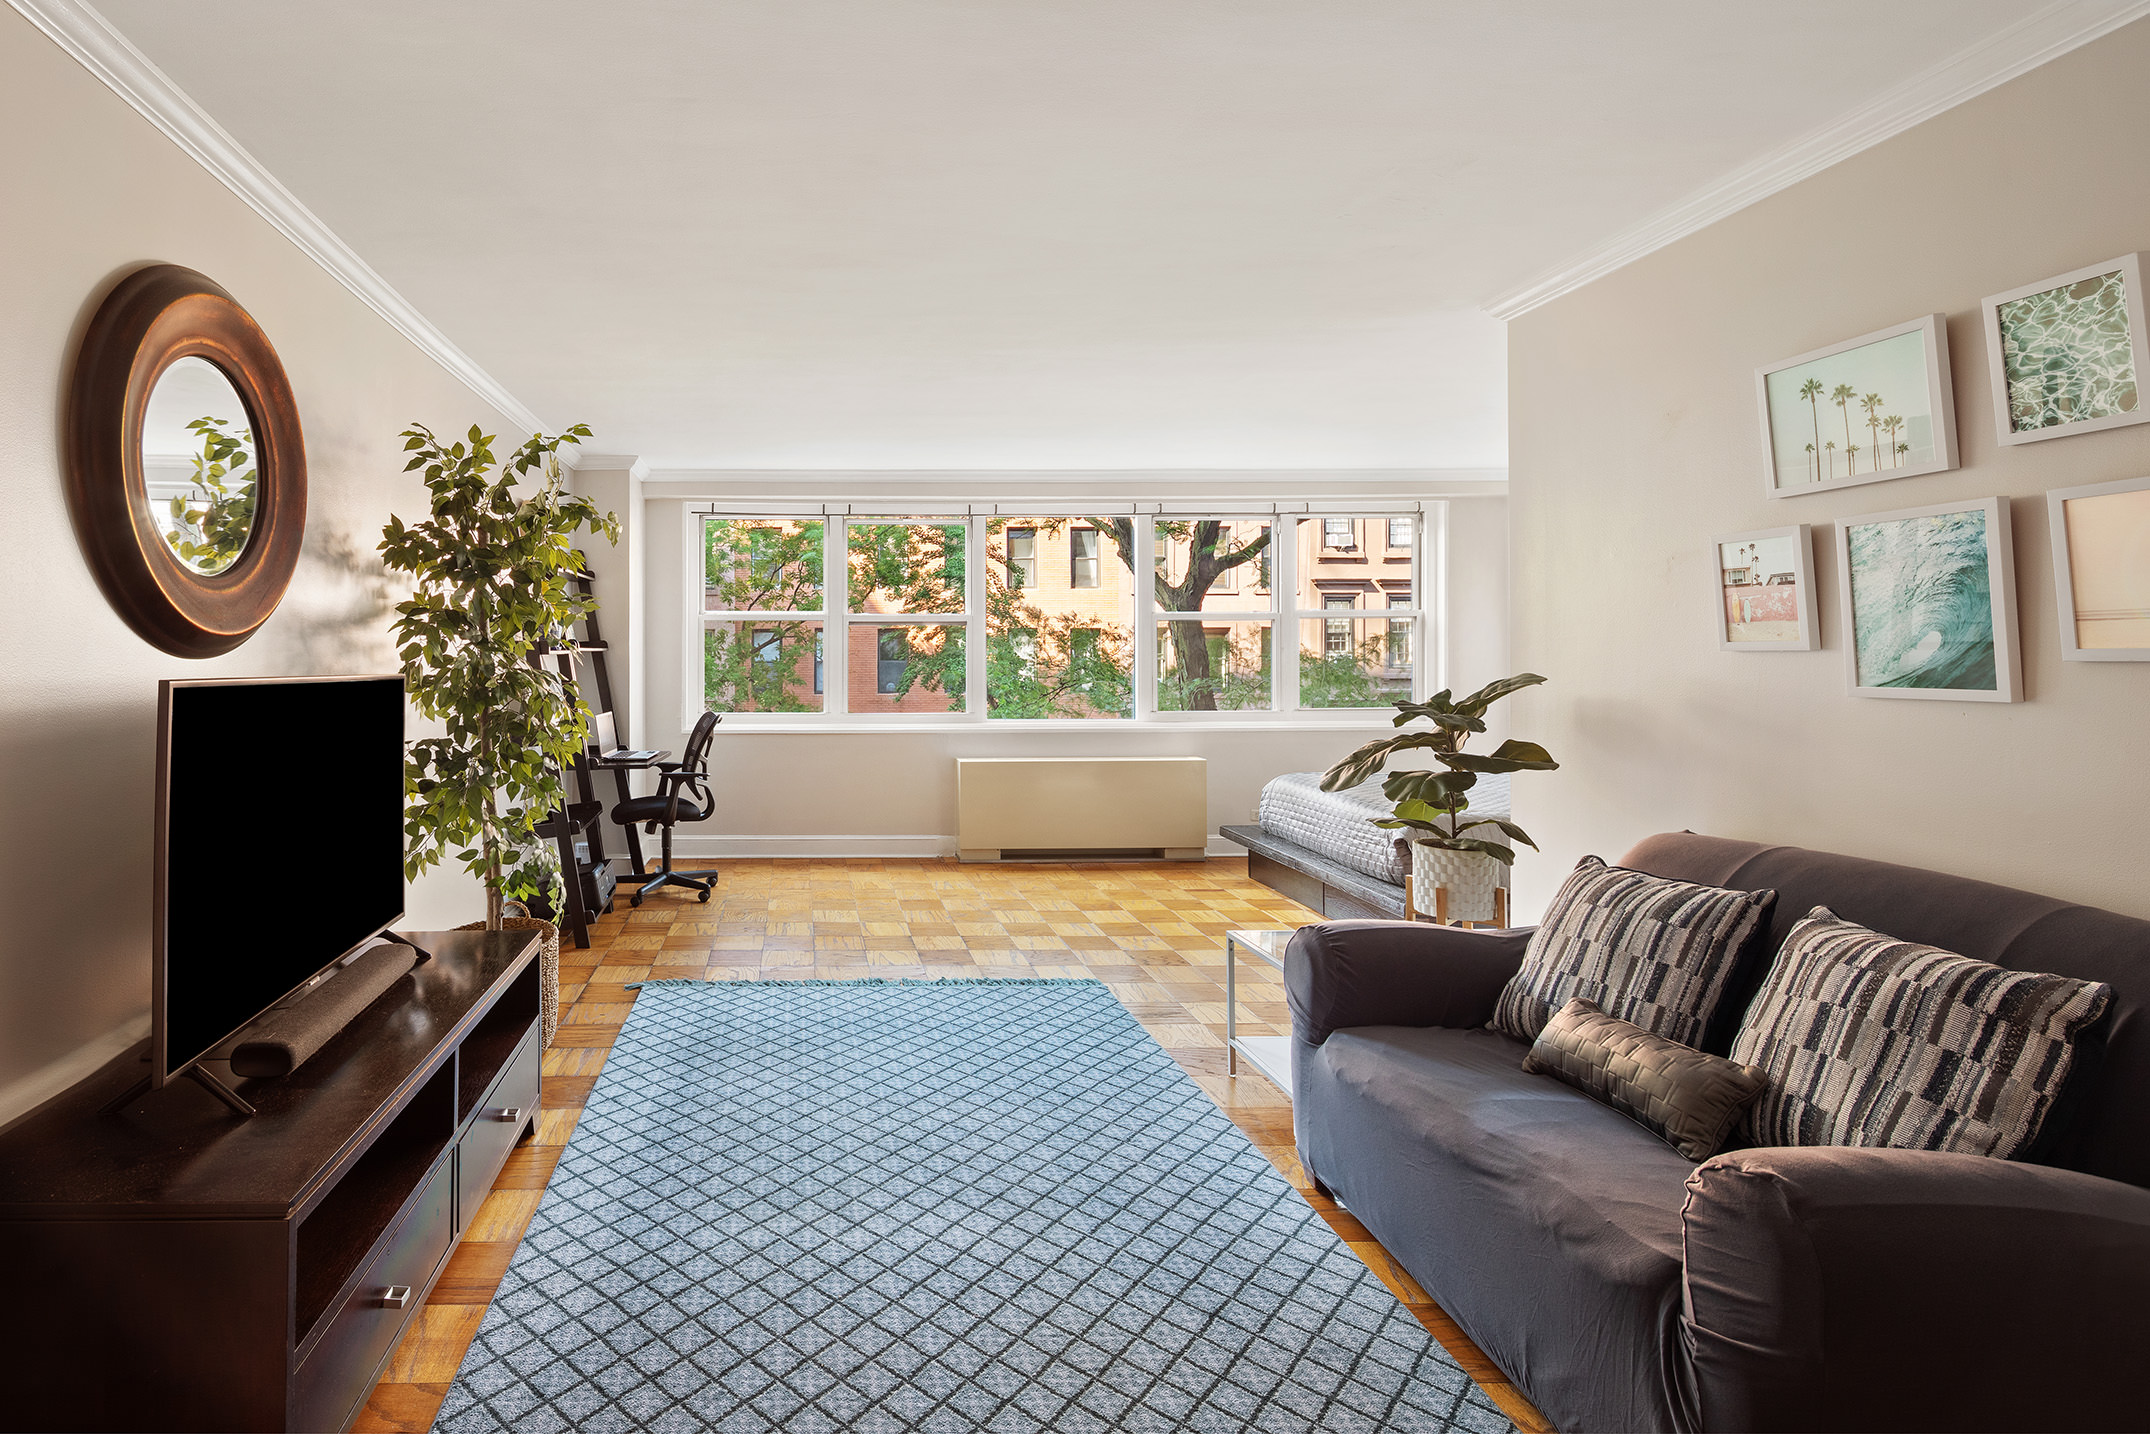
point(173, 1266)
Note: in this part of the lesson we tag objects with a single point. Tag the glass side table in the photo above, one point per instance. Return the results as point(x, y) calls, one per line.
point(1271, 1055)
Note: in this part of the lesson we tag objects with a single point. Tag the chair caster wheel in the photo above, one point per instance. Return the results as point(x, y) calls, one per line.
point(635, 900)
point(703, 898)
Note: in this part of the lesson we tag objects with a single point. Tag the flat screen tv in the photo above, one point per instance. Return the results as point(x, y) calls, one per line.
point(279, 846)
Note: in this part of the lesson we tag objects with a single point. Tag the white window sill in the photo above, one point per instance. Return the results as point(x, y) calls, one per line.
point(819, 727)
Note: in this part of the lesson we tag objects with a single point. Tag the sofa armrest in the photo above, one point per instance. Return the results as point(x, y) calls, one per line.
point(1341, 974)
point(1831, 1288)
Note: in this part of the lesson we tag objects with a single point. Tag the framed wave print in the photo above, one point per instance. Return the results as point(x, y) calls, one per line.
point(2068, 354)
point(2101, 570)
point(1929, 602)
point(1869, 409)
point(1765, 590)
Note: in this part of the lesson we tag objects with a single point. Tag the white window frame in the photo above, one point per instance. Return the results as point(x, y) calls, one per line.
point(1428, 628)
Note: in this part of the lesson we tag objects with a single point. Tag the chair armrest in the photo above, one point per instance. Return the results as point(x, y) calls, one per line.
point(1341, 974)
point(1833, 1289)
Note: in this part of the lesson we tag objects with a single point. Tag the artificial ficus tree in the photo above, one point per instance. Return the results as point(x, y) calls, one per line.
point(493, 572)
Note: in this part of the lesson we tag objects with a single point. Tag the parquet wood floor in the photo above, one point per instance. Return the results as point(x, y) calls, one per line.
point(1154, 933)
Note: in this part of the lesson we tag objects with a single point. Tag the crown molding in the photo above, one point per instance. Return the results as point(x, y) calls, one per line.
point(92, 41)
point(1015, 485)
point(2044, 35)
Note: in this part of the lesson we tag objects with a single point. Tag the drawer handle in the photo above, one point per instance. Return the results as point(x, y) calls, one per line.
point(511, 1113)
point(395, 1297)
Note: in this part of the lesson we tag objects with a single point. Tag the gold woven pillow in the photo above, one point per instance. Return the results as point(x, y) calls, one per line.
point(1686, 1098)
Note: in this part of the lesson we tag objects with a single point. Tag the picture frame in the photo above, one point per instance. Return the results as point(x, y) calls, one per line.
point(1898, 377)
point(2101, 569)
point(1772, 610)
point(1929, 603)
point(2052, 349)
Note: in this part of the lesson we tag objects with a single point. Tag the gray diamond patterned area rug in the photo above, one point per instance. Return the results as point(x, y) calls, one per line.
point(936, 1206)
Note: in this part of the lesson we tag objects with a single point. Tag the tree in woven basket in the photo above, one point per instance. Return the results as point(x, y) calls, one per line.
point(493, 573)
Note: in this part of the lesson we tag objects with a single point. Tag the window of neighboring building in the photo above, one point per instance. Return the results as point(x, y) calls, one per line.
point(1339, 534)
point(1399, 635)
point(895, 652)
point(1401, 532)
point(1336, 634)
point(1082, 557)
point(1023, 556)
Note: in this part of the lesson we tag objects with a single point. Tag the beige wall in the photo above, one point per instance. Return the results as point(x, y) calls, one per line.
point(92, 192)
point(1635, 442)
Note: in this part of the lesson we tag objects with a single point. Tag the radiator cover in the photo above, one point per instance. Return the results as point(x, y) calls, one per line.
point(1041, 808)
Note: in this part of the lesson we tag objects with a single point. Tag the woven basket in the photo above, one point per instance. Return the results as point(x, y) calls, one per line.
point(548, 960)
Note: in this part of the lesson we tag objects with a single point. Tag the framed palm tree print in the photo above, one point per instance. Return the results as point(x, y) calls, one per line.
point(1866, 410)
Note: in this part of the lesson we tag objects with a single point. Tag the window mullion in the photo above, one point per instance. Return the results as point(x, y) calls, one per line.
point(974, 603)
point(1144, 537)
point(1284, 596)
point(835, 616)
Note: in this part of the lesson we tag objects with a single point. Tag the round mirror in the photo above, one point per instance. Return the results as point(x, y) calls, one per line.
point(198, 465)
point(186, 469)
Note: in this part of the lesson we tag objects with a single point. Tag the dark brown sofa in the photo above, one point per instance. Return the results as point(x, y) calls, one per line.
point(1623, 1287)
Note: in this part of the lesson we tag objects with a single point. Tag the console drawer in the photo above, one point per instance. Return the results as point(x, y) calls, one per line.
point(341, 1369)
point(493, 1131)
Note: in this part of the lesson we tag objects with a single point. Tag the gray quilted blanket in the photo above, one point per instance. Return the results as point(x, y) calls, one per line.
point(1336, 824)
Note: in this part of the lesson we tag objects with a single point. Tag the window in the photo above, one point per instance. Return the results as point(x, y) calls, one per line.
point(1336, 632)
point(1082, 557)
point(967, 618)
point(1023, 557)
point(1348, 656)
point(895, 656)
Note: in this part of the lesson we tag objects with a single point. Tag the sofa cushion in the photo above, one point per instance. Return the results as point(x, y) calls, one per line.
point(1546, 1224)
point(1687, 1099)
point(1868, 1040)
point(1646, 950)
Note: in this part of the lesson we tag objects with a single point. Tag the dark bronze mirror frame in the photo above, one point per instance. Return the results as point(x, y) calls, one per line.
point(152, 318)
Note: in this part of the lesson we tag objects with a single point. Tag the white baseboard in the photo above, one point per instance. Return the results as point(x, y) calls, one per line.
point(835, 848)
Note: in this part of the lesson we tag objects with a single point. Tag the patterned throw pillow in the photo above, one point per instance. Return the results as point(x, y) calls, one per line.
point(1685, 1098)
point(1868, 1040)
point(1646, 950)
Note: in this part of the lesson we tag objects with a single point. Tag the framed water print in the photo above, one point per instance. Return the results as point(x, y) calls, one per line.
point(1765, 590)
point(1929, 602)
point(2067, 354)
point(1869, 409)
point(2101, 570)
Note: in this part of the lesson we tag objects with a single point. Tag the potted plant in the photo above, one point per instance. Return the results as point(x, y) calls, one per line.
point(492, 572)
point(1434, 805)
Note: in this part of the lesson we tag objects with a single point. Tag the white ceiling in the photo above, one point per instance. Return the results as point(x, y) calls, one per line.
point(1013, 233)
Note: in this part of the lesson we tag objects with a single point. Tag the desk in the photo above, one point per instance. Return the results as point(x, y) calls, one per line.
point(619, 771)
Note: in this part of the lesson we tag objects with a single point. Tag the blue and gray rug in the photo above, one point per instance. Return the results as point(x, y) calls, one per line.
point(933, 1206)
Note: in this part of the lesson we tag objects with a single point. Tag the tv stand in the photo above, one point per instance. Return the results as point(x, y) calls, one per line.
point(204, 1078)
point(182, 1270)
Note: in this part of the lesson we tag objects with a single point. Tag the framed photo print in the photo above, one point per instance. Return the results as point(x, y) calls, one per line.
point(1765, 590)
point(2067, 354)
point(1929, 600)
point(2101, 570)
point(1869, 409)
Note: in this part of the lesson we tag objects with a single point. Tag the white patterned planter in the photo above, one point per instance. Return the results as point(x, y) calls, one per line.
point(1469, 877)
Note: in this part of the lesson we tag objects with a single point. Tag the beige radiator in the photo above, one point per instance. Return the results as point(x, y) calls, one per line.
point(1038, 808)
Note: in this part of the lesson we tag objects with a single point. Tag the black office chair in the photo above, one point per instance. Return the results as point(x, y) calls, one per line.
point(682, 795)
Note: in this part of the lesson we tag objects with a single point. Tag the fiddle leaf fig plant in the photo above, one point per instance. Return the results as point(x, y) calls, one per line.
point(493, 572)
point(1432, 804)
